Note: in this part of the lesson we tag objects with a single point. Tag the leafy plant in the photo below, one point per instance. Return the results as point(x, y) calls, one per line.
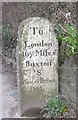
point(68, 34)
point(57, 105)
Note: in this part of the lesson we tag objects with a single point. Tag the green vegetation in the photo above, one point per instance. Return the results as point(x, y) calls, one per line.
point(69, 35)
point(57, 105)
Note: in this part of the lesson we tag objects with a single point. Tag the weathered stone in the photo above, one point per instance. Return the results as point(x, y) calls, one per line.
point(38, 59)
point(67, 71)
point(68, 79)
point(69, 92)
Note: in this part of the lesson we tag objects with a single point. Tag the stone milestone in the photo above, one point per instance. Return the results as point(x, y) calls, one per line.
point(38, 63)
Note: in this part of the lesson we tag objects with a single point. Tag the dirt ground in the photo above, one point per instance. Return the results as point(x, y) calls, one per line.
point(9, 91)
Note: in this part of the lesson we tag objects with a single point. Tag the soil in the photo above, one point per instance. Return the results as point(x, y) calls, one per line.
point(9, 91)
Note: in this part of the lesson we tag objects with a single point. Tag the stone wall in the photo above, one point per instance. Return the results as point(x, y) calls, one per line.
point(68, 79)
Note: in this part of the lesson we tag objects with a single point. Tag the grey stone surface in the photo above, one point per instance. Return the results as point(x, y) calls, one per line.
point(68, 72)
point(38, 1)
point(38, 56)
point(68, 80)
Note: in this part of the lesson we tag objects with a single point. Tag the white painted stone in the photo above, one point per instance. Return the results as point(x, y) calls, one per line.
point(38, 62)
